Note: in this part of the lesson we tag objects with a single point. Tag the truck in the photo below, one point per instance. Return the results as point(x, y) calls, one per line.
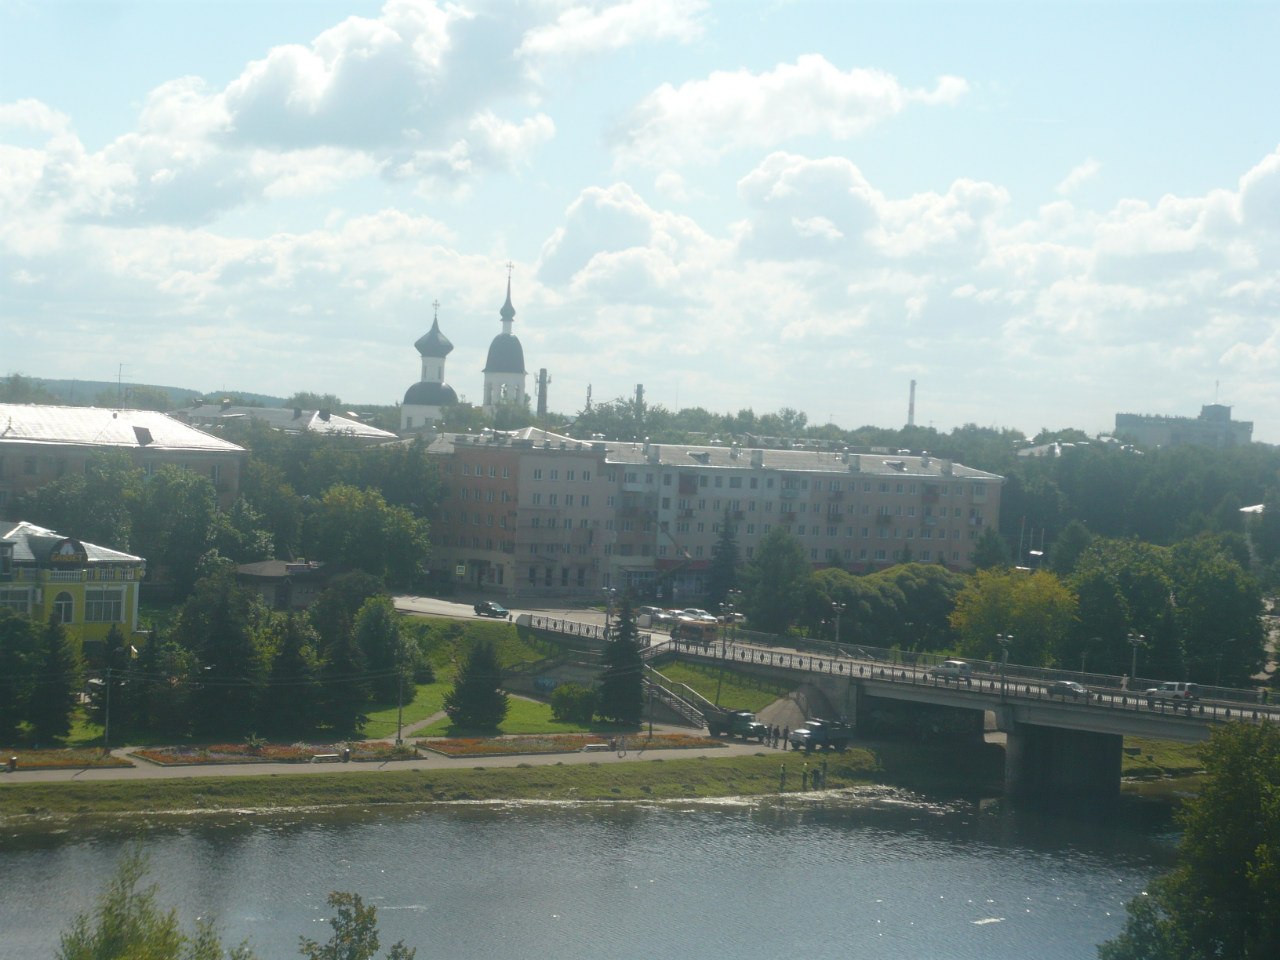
point(827, 734)
point(735, 723)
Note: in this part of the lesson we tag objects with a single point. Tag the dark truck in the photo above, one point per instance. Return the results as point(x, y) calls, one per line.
point(826, 734)
point(736, 723)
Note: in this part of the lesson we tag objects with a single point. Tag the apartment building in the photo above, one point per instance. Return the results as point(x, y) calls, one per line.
point(536, 513)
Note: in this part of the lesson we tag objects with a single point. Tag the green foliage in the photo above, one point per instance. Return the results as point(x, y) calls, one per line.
point(377, 633)
point(990, 551)
point(906, 605)
point(573, 703)
point(622, 683)
point(1035, 607)
point(98, 506)
point(355, 933)
point(476, 701)
point(722, 575)
point(293, 706)
point(128, 924)
point(775, 582)
point(359, 528)
point(55, 686)
point(16, 388)
point(1223, 897)
point(17, 647)
point(174, 524)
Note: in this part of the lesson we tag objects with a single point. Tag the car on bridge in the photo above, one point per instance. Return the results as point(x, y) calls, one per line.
point(1067, 688)
point(1175, 692)
point(956, 670)
point(488, 608)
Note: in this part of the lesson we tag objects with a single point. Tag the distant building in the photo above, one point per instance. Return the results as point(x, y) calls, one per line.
point(424, 402)
point(1213, 428)
point(211, 416)
point(285, 584)
point(88, 588)
point(535, 513)
point(39, 444)
point(504, 373)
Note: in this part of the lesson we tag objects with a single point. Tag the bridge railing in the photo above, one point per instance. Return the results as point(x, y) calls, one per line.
point(1024, 684)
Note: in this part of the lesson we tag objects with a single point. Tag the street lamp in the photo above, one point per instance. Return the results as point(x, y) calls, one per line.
point(838, 608)
point(608, 611)
point(1136, 640)
point(1217, 677)
point(1004, 639)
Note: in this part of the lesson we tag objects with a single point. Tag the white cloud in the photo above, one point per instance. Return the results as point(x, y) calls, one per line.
point(701, 120)
point(1085, 171)
point(596, 28)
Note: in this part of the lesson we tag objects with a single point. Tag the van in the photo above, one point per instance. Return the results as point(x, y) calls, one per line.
point(953, 670)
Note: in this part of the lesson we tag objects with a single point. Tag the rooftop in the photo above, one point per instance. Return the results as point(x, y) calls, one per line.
point(101, 427)
point(287, 420)
point(34, 544)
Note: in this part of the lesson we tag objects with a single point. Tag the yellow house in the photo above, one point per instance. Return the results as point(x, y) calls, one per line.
point(88, 588)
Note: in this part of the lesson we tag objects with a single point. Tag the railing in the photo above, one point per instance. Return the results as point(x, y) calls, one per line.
point(576, 628)
point(660, 689)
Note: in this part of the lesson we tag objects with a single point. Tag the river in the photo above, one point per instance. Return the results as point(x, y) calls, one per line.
point(872, 873)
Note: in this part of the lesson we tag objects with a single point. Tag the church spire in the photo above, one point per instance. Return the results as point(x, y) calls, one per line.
point(508, 312)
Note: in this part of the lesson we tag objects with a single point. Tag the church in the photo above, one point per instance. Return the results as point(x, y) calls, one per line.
point(504, 373)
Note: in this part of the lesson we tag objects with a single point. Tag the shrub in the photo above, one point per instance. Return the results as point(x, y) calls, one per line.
point(573, 703)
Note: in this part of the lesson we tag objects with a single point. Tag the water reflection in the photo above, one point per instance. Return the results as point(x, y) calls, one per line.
point(876, 873)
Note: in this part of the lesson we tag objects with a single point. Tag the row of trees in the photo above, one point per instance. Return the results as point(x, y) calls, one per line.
point(1192, 610)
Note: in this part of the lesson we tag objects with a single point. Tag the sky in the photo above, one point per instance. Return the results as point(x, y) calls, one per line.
point(1043, 213)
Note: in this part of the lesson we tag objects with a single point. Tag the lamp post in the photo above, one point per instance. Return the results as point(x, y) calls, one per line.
point(1217, 676)
point(399, 691)
point(1004, 639)
point(608, 612)
point(1136, 640)
point(837, 608)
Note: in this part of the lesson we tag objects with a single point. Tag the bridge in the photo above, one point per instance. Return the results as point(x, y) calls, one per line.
point(1055, 745)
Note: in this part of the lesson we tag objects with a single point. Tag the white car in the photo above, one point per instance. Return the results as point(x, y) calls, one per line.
point(693, 613)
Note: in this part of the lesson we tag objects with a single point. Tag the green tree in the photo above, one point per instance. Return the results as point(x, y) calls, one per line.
point(359, 528)
point(174, 524)
point(292, 705)
point(16, 388)
point(95, 506)
point(775, 582)
point(55, 688)
point(990, 550)
point(1222, 899)
point(344, 684)
point(355, 933)
point(1067, 548)
point(224, 624)
point(377, 632)
point(128, 924)
point(17, 648)
point(1218, 614)
point(622, 683)
point(722, 575)
point(1036, 608)
point(476, 701)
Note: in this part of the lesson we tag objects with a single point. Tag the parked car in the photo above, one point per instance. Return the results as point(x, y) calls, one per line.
point(488, 608)
point(1067, 688)
point(956, 670)
point(693, 613)
point(1175, 692)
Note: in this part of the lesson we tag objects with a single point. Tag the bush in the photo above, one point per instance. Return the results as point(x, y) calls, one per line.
point(573, 703)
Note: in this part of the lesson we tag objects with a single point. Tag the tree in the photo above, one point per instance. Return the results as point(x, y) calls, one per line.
point(362, 530)
point(622, 684)
point(377, 633)
point(722, 576)
point(1067, 548)
point(1222, 899)
point(16, 388)
point(223, 625)
point(775, 582)
point(292, 704)
point(355, 933)
point(990, 550)
point(17, 644)
point(476, 701)
point(128, 924)
point(174, 523)
point(55, 687)
point(344, 685)
point(1036, 609)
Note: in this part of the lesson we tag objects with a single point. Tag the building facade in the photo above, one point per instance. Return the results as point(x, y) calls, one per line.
point(87, 588)
point(1213, 428)
point(552, 515)
point(39, 444)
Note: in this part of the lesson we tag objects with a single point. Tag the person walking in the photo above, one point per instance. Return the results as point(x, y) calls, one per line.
point(786, 736)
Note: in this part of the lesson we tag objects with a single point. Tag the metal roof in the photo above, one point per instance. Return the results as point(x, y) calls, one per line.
point(31, 544)
point(289, 420)
point(101, 427)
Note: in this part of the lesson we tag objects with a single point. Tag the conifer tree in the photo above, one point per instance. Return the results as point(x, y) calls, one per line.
point(56, 684)
point(476, 701)
point(622, 685)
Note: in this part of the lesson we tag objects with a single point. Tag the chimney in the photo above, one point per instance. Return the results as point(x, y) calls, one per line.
point(911, 406)
point(855, 463)
point(655, 452)
point(757, 458)
point(324, 415)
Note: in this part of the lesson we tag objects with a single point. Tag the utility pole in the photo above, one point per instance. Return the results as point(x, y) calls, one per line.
point(106, 720)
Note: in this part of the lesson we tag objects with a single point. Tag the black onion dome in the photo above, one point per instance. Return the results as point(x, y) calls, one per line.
point(427, 394)
point(433, 343)
point(505, 355)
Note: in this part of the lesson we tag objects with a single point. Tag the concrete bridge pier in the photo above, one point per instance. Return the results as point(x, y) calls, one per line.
point(1052, 762)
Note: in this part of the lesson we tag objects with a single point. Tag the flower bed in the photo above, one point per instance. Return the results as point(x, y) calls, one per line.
point(70, 758)
point(272, 752)
point(557, 743)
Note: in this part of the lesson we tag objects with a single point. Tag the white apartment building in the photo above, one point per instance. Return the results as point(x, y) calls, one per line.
point(584, 516)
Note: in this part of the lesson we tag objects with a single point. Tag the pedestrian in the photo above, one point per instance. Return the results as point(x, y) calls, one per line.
point(1124, 682)
point(782, 778)
point(786, 736)
point(804, 778)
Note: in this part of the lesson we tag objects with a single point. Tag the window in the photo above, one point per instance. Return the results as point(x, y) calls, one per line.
point(537, 474)
point(493, 471)
point(466, 469)
point(64, 608)
point(18, 601)
point(568, 474)
point(555, 474)
point(586, 475)
point(735, 482)
point(537, 499)
point(506, 475)
point(568, 499)
point(586, 500)
point(719, 481)
point(755, 483)
point(553, 500)
point(103, 606)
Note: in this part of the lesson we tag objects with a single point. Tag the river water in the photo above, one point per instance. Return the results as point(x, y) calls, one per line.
point(872, 873)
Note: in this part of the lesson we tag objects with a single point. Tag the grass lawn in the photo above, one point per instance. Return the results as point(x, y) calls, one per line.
point(523, 716)
point(1160, 758)
point(428, 699)
point(737, 692)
